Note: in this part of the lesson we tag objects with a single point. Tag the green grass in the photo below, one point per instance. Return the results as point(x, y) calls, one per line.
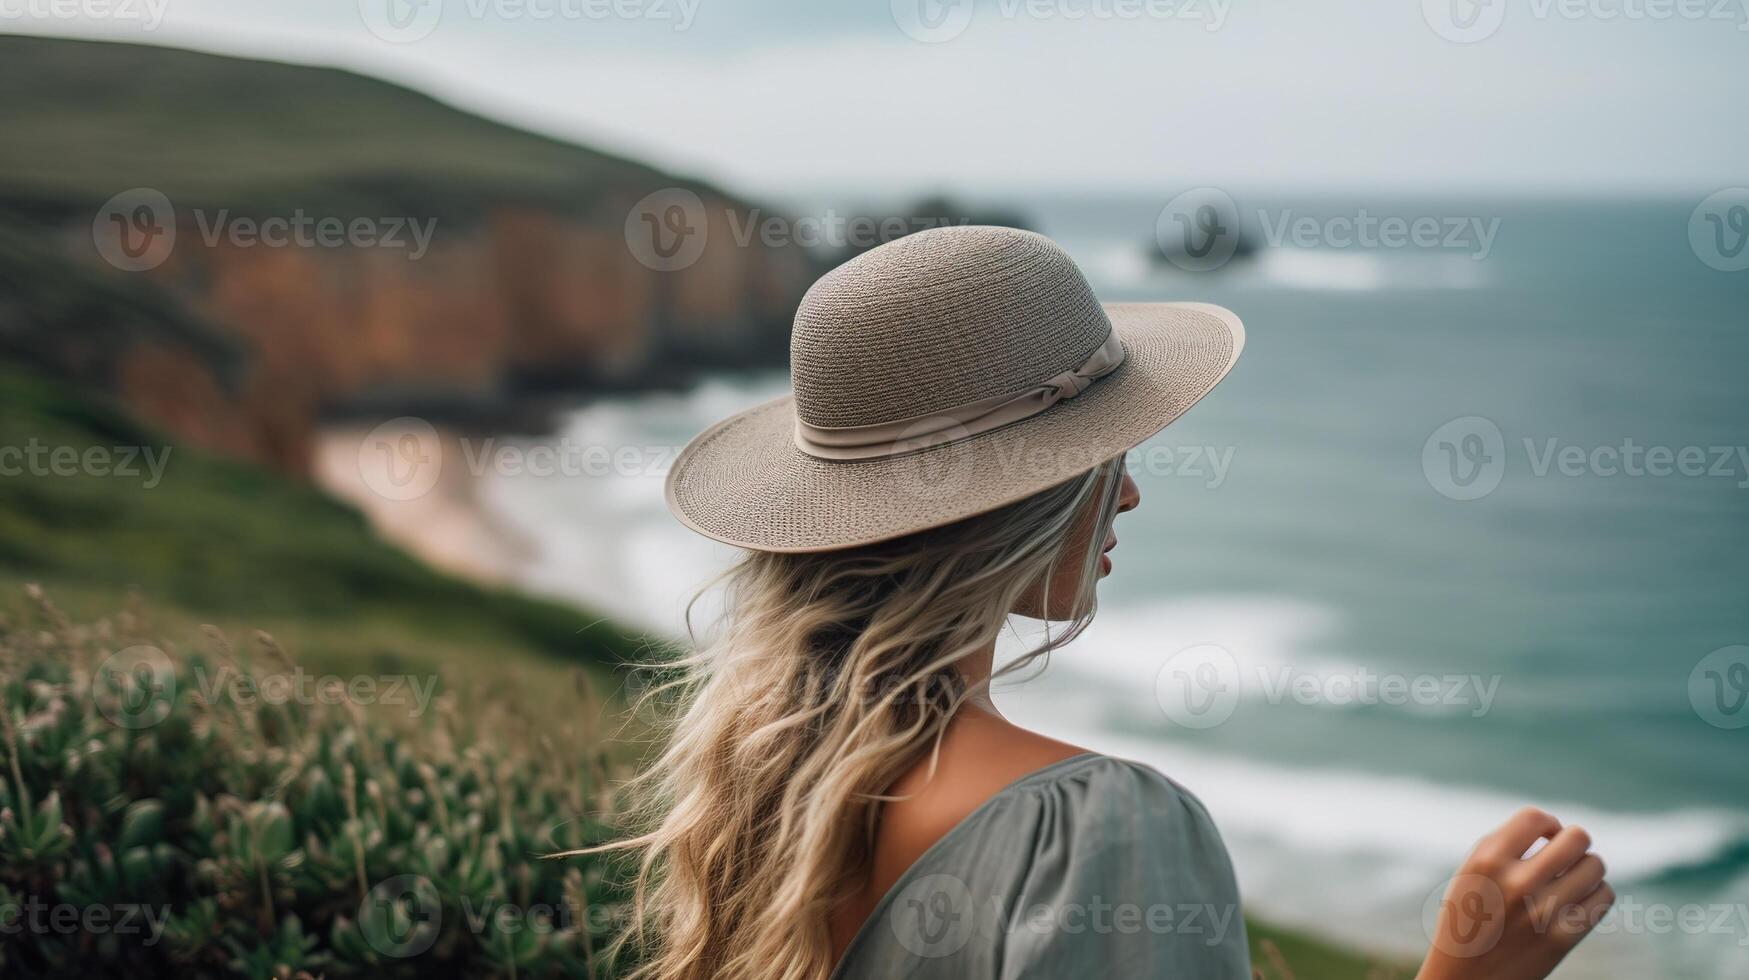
point(259, 831)
point(218, 830)
point(216, 540)
point(213, 130)
point(1283, 954)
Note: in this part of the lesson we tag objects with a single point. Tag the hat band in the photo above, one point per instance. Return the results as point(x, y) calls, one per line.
point(923, 431)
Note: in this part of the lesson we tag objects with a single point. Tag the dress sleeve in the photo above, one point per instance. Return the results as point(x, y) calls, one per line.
point(1127, 877)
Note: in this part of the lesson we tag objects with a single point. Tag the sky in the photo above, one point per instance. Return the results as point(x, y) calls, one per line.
point(997, 96)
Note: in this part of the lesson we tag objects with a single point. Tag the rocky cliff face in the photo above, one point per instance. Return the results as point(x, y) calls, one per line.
point(531, 280)
point(522, 300)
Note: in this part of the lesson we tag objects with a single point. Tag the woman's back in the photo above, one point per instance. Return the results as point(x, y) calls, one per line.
point(1086, 866)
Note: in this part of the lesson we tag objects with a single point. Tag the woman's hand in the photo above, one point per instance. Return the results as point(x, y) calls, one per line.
point(1510, 917)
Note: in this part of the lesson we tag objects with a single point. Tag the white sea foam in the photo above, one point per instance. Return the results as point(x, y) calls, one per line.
point(1109, 674)
point(1123, 265)
point(607, 540)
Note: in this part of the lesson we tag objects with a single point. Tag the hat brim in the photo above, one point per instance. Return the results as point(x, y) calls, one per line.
point(744, 482)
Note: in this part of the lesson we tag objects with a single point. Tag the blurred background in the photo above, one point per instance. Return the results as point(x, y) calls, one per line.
point(292, 292)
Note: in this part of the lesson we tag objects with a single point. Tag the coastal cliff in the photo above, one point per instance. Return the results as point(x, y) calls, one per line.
point(494, 263)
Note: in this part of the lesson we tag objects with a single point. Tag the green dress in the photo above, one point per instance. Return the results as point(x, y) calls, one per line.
point(1090, 867)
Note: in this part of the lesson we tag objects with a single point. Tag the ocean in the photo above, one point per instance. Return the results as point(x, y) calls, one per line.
point(1407, 541)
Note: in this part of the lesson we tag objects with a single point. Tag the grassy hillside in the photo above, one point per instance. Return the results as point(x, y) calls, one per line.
point(267, 838)
point(197, 824)
point(219, 540)
point(103, 117)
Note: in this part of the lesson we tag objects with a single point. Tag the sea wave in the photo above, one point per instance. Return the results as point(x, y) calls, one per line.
point(1122, 266)
point(1102, 688)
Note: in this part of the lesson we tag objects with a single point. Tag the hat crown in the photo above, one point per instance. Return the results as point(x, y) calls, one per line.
point(939, 319)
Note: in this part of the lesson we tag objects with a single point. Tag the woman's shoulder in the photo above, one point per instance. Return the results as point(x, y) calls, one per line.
point(988, 770)
point(1077, 807)
point(1127, 801)
point(996, 757)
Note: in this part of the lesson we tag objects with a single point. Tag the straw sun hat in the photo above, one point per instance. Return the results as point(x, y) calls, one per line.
point(941, 376)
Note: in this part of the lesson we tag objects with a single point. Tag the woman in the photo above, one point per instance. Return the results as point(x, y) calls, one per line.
point(839, 796)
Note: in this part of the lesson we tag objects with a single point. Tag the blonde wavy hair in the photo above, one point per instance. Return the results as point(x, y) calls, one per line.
point(829, 676)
